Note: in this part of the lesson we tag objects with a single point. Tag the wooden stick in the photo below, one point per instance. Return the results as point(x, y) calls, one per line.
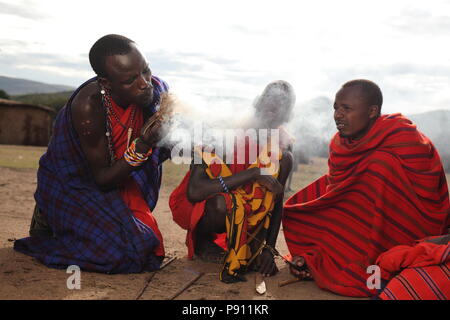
point(153, 118)
point(278, 254)
point(286, 282)
point(187, 285)
point(166, 263)
point(150, 278)
point(165, 109)
point(146, 285)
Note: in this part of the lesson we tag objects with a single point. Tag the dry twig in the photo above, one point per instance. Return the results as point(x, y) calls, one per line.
point(286, 282)
point(187, 285)
point(163, 265)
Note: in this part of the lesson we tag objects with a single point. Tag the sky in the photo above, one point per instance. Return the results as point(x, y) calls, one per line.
point(213, 50)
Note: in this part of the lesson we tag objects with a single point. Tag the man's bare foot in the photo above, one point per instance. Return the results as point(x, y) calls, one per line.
point(264, 263)
point(301, 270)
point(227, 278)
point(210, 252)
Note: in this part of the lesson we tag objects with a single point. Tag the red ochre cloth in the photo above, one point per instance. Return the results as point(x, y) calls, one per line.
point(130, 192)
point(187, 214)
point(424, 272)
point(386, 189)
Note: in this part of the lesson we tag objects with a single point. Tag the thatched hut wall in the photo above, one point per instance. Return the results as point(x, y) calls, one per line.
point(25, 124)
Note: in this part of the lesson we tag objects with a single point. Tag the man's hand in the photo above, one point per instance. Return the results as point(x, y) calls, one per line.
point(158, 125)
point(154, 129)
point(272, 184)
point(267, 266)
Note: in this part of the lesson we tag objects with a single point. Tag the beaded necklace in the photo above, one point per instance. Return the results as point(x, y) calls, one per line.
point(109, 114)
point(130, 128)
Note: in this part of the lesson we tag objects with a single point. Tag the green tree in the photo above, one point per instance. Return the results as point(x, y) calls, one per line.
point(4, 95)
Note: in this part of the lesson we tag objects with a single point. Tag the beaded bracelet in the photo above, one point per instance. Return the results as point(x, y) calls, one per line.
point(224, 186)
point(134, 158)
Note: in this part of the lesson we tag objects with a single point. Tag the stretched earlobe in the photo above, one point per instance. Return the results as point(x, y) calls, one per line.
point(374, 111)
point(104, 85)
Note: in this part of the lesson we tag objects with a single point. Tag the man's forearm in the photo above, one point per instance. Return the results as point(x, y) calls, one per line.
point(110, 177)
point(201, 189)
point(275, 223)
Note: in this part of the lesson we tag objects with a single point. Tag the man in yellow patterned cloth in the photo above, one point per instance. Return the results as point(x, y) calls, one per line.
point(232, 209)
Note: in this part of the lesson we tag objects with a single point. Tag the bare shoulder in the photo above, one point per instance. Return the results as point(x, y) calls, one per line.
point(87, 102)
point(88, 114)
point(286, 163)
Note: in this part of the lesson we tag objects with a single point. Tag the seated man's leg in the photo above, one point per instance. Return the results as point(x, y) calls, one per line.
point(213, 221)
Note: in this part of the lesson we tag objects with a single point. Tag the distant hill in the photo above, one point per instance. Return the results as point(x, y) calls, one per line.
point(436, 126)
point(16, 86)
point(53, 100)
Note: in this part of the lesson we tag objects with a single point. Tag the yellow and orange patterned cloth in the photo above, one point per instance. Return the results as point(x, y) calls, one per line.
point(249, 210)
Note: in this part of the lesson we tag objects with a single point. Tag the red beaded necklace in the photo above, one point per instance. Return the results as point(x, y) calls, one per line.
point(111, 113)
point(131, 123)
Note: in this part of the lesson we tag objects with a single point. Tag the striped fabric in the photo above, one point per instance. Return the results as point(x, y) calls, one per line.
point(423, 272)
point(385, 189)
point(93, 229)
point(426, 283)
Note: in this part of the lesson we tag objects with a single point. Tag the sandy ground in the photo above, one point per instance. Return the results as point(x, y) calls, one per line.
point(23, 277)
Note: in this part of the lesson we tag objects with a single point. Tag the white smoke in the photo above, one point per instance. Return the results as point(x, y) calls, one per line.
point(194, 115)
point(313, 126)
point(310, 123)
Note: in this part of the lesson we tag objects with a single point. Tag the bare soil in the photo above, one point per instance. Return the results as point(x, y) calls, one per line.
point(23, 277)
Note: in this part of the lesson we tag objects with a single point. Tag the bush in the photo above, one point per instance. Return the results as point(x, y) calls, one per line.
point(4, 95)
point(53, 100)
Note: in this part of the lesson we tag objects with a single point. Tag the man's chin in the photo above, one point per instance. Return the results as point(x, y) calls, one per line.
point(145, 101)
point(352, 136)
point(343, 134)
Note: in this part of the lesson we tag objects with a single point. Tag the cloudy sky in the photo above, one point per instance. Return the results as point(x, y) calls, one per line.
point(234, 48)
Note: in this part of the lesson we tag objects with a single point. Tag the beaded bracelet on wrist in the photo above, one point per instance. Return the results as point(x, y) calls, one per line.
point(134, 158)
point(224, 186)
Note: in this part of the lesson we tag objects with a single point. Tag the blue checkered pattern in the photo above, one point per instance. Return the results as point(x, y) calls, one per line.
point(93, 229)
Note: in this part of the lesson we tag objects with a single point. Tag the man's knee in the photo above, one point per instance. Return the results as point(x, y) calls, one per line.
point(217, 204)
point(215, 215)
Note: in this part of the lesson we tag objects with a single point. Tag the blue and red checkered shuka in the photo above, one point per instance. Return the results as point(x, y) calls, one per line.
point(93, 229)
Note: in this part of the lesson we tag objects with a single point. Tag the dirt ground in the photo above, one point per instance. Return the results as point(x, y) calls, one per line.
point(23, 277)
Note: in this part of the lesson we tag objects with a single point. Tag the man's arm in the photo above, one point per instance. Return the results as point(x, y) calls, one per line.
point(89, 120)
point(200, 186)
point(268, 266)
point(285, 168)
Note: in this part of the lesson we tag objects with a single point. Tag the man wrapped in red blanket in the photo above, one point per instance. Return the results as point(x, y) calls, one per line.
point(386, 186)
point(422, 271)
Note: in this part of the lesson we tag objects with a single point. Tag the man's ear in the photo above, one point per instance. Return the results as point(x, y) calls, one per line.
point(374, 111)
point(104, 83)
